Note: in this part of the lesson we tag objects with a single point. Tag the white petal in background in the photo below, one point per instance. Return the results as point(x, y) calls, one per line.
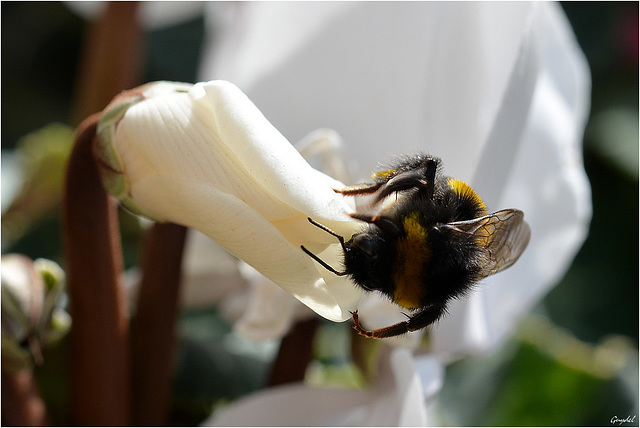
point(488, 87)
point(499, 91)
point(396, 400)
point(546, 180)
point(386, 76)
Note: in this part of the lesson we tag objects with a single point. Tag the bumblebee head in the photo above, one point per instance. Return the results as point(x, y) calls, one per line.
point(368, 260)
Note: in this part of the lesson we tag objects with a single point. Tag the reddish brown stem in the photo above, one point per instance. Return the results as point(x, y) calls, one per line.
point(111, 61)
point(296, 350)
point(21, 401)
point(153, 327)
point(99, 338)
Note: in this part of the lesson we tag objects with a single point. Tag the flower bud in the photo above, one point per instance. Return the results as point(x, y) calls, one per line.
point(32, 313)
point(205, 157)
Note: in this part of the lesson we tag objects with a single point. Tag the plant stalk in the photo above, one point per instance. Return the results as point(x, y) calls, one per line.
point(99, 364)
point(153, 326)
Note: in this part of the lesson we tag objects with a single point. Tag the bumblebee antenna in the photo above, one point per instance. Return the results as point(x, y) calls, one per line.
point(322, 262)
point(318, 259)
point(329, 231)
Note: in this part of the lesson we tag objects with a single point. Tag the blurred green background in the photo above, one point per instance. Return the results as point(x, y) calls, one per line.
point(573, 362)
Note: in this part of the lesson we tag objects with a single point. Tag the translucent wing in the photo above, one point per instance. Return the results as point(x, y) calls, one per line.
point(503, 235)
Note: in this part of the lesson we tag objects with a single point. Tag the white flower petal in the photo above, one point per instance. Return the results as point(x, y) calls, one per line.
point(209, 272)
point(269, 313)
point(396, 400)
point(547, 181)
point(431, 373)
point(207, 158)
point(410, 395)
point(247, 235)
point(425, 95)
point(298, 404)
point(271, 160)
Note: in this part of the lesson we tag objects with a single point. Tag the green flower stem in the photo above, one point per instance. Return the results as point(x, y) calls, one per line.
point(99, 368)
point(153, 327)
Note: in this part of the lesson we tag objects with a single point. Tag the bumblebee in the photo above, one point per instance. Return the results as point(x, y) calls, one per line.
point(429, 245)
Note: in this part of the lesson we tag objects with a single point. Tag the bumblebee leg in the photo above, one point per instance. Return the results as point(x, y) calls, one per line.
point(393, 330)
point(422, 179)
point(426, 317)
point(404, 181)
point(359, 189)
point(382, 222)
point(430, 176)
point(417, 322)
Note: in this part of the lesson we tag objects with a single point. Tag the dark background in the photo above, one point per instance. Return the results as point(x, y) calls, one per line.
point(527, 382)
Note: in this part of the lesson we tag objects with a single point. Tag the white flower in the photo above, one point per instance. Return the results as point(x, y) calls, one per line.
point(204, 156)
point(499, 91)
point(397, 399)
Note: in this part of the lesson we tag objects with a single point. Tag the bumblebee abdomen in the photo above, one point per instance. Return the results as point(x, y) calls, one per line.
point(412, 258)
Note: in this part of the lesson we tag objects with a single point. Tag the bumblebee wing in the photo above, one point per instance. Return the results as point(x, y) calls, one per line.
point(503, 236)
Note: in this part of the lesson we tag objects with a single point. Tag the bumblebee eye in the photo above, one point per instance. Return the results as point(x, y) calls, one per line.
point(364, 243)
